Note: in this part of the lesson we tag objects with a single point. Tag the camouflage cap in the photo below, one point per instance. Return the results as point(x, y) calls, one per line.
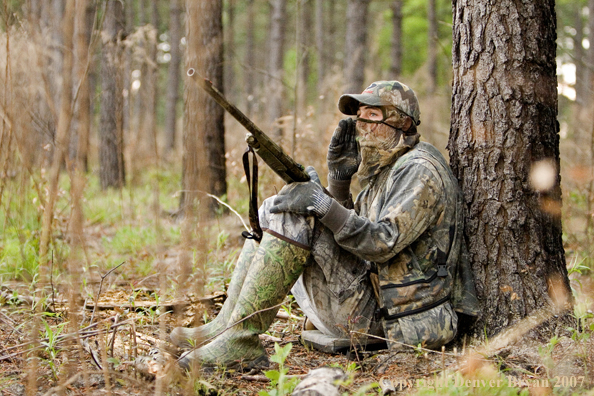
point(383, 93)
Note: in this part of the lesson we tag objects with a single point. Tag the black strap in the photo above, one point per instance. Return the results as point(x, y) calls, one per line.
point(256, 232)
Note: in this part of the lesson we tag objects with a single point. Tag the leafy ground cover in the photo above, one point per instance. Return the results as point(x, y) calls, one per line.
point(140, 273)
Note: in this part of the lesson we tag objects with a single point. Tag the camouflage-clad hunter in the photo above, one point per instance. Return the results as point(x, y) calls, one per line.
point(390, 264)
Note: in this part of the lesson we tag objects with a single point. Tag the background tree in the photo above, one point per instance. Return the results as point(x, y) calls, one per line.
point(396, 41)
point(203, 166)
point(503, 126)
point(355, 45)
point(250, 58)
point(111, 150)
point(275, 97)
point(432, 37)
point(79, 144)
point(174, 73)
point(322, 56)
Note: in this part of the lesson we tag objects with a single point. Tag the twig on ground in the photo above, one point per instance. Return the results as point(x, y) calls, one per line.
point(113, 337)
point(96, 359)
point(60, 339)
point(100, 287)
point(263, 378)
point(135, 350)
point(62, 387)
point(403, 344)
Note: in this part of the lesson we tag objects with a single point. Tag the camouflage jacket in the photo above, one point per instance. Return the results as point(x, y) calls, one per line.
point(408, 222)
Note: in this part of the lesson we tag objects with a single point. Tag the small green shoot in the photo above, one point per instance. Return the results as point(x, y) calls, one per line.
point(280, 385)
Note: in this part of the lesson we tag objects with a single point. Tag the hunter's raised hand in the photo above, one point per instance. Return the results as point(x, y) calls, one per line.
point(343, 152)
point(306, 198)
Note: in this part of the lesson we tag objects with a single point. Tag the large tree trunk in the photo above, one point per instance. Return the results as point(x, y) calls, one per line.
point(356, 45)
point(203, 166)
point(504, 110)
point(432, 46)
point(111, 142)
point(175, 25)
point(396, 42)
point(276, 89)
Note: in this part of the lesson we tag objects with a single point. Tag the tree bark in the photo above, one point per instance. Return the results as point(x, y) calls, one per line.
point(276, 89)
point(111, 142)
point(304, 39)
point(590, 54)
point(356, 45)
point(175, 25)
point(62, 135)
point(79, 142)
point(396, 42)
point(229, 75)
point(581, 88)
point(432, 46)
point(504, 110)
point(203, 165)
point(250, 60)
point(150, 85)
point(322, 57)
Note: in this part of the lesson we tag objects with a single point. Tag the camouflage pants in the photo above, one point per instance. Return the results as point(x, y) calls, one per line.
point(336, 294)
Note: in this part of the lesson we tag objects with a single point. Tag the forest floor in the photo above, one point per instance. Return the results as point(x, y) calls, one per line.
point(132, 271)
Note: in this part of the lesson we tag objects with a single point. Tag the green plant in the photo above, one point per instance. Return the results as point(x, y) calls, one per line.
point(50, 344)
point(280, 385)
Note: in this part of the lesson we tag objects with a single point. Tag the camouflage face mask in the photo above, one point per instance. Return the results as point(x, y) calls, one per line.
point(378, 153)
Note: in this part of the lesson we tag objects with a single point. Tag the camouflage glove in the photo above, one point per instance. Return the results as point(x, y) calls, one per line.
point(307, 198)
point(343, 152)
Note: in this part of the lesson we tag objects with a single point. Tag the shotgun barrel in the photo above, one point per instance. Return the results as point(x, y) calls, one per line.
point(270, 152)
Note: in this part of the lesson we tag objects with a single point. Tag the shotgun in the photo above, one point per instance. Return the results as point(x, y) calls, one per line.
point(270, 152)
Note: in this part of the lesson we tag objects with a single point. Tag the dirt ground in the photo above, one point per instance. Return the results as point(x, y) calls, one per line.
point(127, 325)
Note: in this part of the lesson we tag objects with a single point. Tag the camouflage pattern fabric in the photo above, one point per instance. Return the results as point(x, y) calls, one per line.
point(432, 328)
point(402, 222)
point(186, 337)
point(274, 269)
point(383, 93)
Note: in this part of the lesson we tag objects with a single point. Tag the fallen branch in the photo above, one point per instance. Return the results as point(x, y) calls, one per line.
point(101, 286)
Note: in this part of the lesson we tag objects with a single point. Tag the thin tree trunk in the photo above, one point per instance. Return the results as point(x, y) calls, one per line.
point(581, 88)
point(230, 51)
point(250, 60)
point(150, 84)
point(175, 25)
point(203, 166)
point(127, 78)
point(62, 136)
point(111, 144)
point(276, 89)
point(590, 54)
point(322, 57)
point(79, 143)
point(304, 39)
point(396, 42)
point(504, 109)
point(432, 46)
point(356, 45)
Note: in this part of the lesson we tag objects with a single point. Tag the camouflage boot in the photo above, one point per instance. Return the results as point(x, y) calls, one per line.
point(274, 270)
point(185, 337)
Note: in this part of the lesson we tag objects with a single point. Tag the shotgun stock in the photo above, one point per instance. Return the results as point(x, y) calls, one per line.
point(270, 152)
